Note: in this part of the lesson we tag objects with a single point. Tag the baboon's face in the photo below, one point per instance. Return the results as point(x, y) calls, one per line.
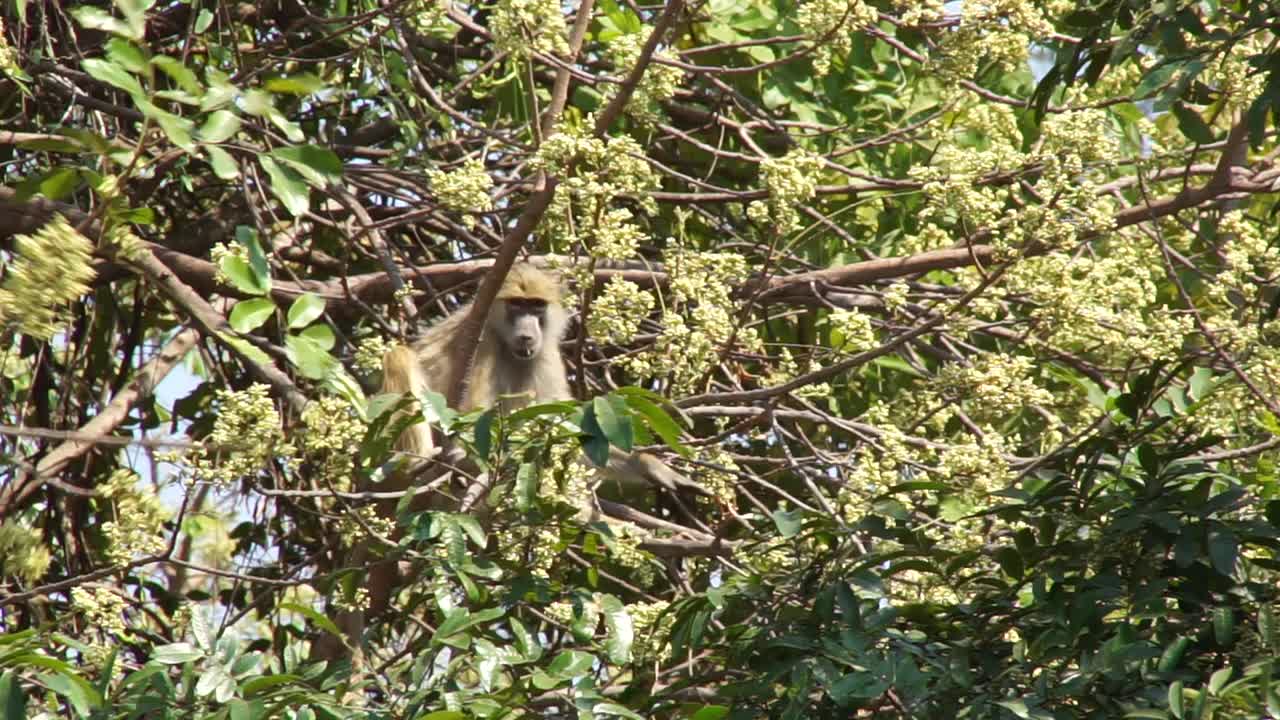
point(522, 326)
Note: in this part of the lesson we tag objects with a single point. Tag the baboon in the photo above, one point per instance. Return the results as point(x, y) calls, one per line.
point(517, 362)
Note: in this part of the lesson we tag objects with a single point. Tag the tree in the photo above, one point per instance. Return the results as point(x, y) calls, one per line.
point(963, 318)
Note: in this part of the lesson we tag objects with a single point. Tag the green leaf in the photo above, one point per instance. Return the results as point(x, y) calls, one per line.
point(710, 712)
point(1202, 381)
point(13, 702)
point(614, 421)
point(60, 145)
point(113, 75)
point(309, 357)
point(1156, 78)
point(260, 103)
point(224, 166)
point(658, 419)
point(248, 237)
point(319, 166)
point(266, 682)
point(305, 309)
point(56, 184)
point(1224, 624)
point(127, 55)
point(219, 126)
point(1223, 549)
point(1172, 654)
point(621, 633)
point(203, 21)
point(595, 445)
point(1017, 707)
point(1175, 699)
point(570, 664)
point(615, 709)
point(484, 435)
point(248, 315)
point(310, 613)
point(240, 710)
point(1267, 628)
point(300, 84)
point(472, 528)
point(241, 275)
point(1219, 679)
point(179, 73)
point(443, 715)
point(98, 19)
point(176, 653)
point(245, 348)
point(75, 689)
point(177, 128)
point(321, 335)
point(288, 187)
point(788, 522)
point(1192, 125)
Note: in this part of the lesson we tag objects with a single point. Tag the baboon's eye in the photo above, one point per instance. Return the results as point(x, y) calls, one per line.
point(528, 306)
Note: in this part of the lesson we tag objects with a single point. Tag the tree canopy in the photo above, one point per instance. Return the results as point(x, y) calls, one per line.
point(961, 319)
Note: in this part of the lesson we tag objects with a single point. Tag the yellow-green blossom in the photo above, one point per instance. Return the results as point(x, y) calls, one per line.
point(464, 189)
point(23, 553)
point(246, 436)
point(137, 529)
point(658, 83)
point(522, 27)
point(617, 312)
point(50, 269)
point(830, 25)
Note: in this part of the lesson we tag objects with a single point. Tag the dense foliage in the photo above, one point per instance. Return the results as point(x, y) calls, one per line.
point(963, 318)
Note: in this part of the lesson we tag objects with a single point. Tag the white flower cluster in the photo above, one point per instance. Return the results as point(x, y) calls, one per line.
point(980, 469)
point(1099, 304)
point(369, 352)
point(8, 55)
point(1075, 149)
point(585, 609)
point(895, 296)
point(49, 270)
point(464, 189)
point(1246, 253)
point(698, 321)
point(784, 369)
point(626, 550)
point(431, 17)
point(332, 427)
point(616, 313)
point(138, 526)
point(248, 435)
point(23, 554)
point(851, 331)
point(103, 610)
point(1233, 76)
point(651, 625)
point(830, 25)
point(791, 181)
point(523, 27)
point(658, 83)
point(594, 174)
point(365, 523)
point(567, 463)
point(994, 387)
point(992, 31)
point(952, 189)
point(721, 483)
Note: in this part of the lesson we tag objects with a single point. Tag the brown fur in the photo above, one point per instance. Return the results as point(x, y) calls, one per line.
point(497, 373)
